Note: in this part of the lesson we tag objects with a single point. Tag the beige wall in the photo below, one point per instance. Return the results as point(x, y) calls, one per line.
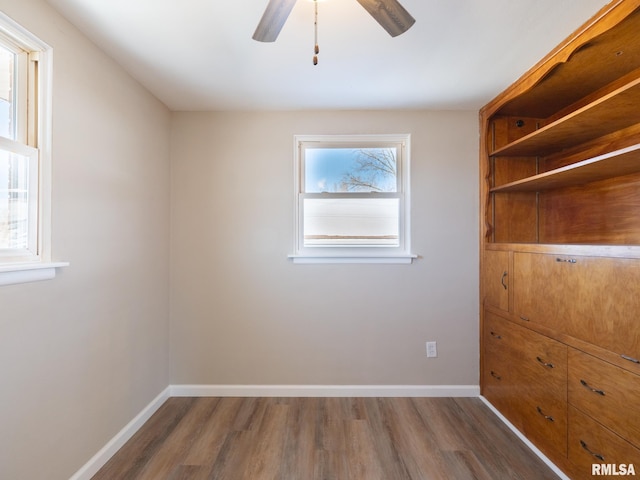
point(243, 314)
point(81, 355)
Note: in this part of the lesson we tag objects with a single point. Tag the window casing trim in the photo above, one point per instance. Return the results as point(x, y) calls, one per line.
point(34, 131)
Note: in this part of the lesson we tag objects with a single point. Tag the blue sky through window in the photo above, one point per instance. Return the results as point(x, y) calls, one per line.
point(329, 169)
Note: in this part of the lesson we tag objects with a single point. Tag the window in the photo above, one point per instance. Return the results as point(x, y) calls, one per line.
point(25, 75)
point(352, 199)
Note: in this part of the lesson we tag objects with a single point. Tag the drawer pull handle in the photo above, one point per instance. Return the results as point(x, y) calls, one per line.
point(631, 359)
point(522, 317)
point(504, 275)
point(495, 375)
point(542, 362)
point(495, 335)
point(586, 447)
point(546, 417)
point(566, 260)
point(589, 387)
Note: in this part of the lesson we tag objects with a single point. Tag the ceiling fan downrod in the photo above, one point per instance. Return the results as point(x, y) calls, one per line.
point(316, 49)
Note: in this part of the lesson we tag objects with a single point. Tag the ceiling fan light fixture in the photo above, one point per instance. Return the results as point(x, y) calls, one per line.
point(388, 13)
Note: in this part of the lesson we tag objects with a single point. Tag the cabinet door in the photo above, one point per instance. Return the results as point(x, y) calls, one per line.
point(496, 279)
point(590, 298)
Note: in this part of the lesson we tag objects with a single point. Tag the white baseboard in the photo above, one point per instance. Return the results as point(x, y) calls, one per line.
point(531, 446)
point(324, 390)
point(99, 459)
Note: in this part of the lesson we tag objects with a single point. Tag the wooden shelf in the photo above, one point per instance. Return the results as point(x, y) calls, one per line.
point(610, 165)
point(594, 64)
point(609, 113)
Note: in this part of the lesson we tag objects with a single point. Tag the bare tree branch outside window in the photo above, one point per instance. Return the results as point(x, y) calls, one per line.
point(375, 170)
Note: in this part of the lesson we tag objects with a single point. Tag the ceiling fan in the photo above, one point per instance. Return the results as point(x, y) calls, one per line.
point(388, 13)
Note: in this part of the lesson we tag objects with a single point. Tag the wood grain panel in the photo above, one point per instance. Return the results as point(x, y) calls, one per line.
point(507, 129)
point(496, 279)
point(539, 360)
point(546, 427)
point(604, 212)
point(593, 61)
point(609, 113)
point(618, 140)
point(613, 164)
point(526, 376)
point(500, 378)
point(607, 393)
point(590, 442)
point(497, 387)
point(591, 299)
point(514, 216)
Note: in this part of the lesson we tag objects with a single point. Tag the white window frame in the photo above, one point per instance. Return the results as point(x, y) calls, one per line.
point(33, 140)
point(353, 254)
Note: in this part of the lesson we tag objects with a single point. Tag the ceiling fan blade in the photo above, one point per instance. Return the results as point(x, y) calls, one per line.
point(390, 15)
point(273, 19)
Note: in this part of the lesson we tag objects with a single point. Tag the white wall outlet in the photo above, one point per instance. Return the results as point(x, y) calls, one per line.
point(432, 349)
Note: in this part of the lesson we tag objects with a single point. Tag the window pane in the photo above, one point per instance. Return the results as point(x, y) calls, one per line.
point(7, 93)
point(350, 170)
point(14, 200)
point(351, 222)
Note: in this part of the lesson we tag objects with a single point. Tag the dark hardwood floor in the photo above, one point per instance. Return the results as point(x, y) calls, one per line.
point(324, 438)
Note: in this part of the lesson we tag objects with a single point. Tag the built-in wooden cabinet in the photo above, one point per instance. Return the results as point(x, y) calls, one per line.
point(560, 240)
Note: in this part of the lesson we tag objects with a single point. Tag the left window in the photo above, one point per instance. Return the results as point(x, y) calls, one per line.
point(25, 157)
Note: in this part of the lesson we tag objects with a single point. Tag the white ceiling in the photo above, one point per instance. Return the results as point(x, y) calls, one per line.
point(199, 55)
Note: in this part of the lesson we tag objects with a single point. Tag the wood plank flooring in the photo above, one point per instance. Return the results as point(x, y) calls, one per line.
point(324, 439)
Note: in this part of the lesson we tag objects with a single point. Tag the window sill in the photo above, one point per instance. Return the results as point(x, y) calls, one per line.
point(28, 272)
point(385, 259)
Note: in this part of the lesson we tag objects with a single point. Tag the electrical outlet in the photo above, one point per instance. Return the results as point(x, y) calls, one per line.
point(432, 349)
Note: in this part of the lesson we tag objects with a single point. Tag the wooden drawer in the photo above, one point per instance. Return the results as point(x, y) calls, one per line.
point(500, 387)
point(594, 299)
point(525, 377)
point(496, 279)
point(540, 362)
point(545, 424)
point(500, 381)
point(542, 420)
point(607, 393)
point(591, 443)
